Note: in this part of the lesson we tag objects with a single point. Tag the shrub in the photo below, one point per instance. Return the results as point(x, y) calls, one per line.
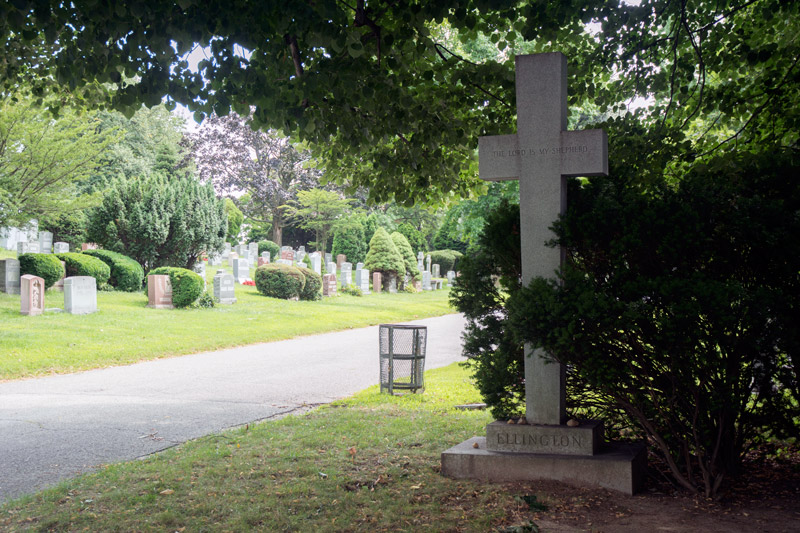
point(46, 266)
point(280, 281)
point(415, 237)
point(85, 265)
point(187, 286)
point(383, 256)
point(271, 247)
point(352, 290)
point(206, 301)
point(126, 274)
point(349, 241)
point(446, 259)
point(313, 287)
point(410, 262)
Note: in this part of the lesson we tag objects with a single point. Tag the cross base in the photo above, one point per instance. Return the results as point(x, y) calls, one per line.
point(617, 466)
point(584, 439)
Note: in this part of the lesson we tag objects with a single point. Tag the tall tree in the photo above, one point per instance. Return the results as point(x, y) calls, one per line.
point(381, 91)
point(320, 211)
point(239, 159)
point(42, 159)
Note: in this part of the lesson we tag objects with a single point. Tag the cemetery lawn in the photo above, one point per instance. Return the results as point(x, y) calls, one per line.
point(124, 331)
point(371, 463)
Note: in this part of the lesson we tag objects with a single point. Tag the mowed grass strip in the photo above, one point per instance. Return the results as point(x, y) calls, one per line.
point(125, 331)
point(369, 463)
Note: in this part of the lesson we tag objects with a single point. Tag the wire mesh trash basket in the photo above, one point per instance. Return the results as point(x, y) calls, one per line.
point(402, 350)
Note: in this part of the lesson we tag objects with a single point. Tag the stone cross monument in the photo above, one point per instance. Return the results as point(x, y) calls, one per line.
point(542, 155)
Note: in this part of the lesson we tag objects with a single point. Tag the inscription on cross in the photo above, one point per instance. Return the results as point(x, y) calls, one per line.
point(541, 155)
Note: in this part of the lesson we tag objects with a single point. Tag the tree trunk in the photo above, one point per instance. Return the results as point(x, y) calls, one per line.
point(277, 229)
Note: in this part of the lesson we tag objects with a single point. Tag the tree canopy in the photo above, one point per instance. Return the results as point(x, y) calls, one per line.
point(393, 95)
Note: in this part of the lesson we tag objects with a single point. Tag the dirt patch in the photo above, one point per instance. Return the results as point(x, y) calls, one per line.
point(766, 498)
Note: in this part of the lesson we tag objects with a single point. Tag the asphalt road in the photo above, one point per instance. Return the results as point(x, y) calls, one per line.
point(57, 427)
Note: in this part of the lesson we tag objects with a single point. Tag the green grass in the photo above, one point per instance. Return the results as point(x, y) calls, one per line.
point(125, 331)
point(368, 463)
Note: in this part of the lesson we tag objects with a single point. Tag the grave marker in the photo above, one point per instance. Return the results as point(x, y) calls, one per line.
point(329, 285)
point(345, 276)
point(377, 282)
point(80, 295)
point(159, 292)
point(31, 295)
point(61, 247)
point(9, 276)
point(241, 270)
point(224, 289)
point(45, 242)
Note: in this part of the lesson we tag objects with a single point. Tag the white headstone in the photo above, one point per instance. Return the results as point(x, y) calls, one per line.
point(435, 271)
point(451, 277)
point(301, 249)
point(428, 262)
point(241, 270)
point(328, 258)
point(265, 255)
point(224, 287)
point(226, 251)
point(346, 274)
point(330, 266)
point(362, 280)
point(541, 155)
point(426, 281)
point(61, 247)
point(27, 247)
point(316, 263)
point(45, 242)
point(80, 295)
point(9, 276)
point(253, 249)
point(200, 268)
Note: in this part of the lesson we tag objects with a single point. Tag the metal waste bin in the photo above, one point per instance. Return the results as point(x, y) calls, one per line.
point(402, 350)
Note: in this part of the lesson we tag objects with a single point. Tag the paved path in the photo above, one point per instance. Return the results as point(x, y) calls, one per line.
point(57, 427)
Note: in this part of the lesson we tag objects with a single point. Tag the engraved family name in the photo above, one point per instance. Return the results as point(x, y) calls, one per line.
point(539, 440)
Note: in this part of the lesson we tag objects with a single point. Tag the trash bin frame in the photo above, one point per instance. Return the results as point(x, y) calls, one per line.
point(417, 358)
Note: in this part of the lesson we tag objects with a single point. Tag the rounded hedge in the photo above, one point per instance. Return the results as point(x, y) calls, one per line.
point(187, 286)
point(79, 264)
point(446, 259)
point(271, 247)
point(280, 281)
point(46, 266)
point(126, 274)
point(313, 287)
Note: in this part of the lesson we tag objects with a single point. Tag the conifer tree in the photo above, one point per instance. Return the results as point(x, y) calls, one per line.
point(404, 247)
point(383, 256)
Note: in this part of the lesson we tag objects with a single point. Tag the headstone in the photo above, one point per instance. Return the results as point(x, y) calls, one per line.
point(31, 290)
point(298, 256)
point(541, 155)
point(283, 248)
point(262, 261)
point(241, 270)
point(287, 254)
point(27, 248)
point(426, 280)
point(253, 249)
point(362, 280)
point(435, 271)
point(328, 258)
point(285, 262)
point(417, 285)
point(331, 267)
point(8, 239)
point(346, 274)
point(200, 268)
point(242, 251)
point(80, 295)
point(316, 263)
point(214, 259)
point(226, 251)
point(341, 258)
point(392, 283)
point(89, 246)
point(420, 257)
point(377, 282)
point(224, 287)
point(302, 249)
point(451, 277)
point(9, 276)
point(45, 242)
point(359, 266)
point(329, 285)
point(61, 247)
point(428, 262)
point(31, 230)
point(265, 255)
point(159, 292)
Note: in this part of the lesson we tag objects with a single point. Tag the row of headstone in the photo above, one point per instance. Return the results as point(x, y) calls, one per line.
point(80, 295)
point(11, 236)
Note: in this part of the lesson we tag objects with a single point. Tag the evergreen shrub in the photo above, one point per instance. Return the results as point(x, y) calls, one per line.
point(280, 281)
point(415, 237)
point(46, 266)
point(79, 264)
point(312, 290)
point(187, 286)
point(126, 274)
point(410, 262)
point(384, 257)
point(271, 247)
point(350, 241)
point(446, 259)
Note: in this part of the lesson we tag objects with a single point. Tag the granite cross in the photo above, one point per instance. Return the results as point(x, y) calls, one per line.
point(541, 155)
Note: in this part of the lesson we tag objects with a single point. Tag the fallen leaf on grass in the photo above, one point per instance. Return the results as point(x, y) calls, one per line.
point(167, 492)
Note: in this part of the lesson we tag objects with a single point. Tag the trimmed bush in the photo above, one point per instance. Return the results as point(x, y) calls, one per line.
point(187, 286)
point(126, 274)
point(280, 281)
point(404, 247)
point(313, 287)
point(383, 255)
point(269, 246)
point(46, 266)
point(446, 259)
point(79, 264)
point(350, 241)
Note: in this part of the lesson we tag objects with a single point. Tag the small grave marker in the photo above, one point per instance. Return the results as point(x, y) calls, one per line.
point(80, 295)
point(31, 295)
